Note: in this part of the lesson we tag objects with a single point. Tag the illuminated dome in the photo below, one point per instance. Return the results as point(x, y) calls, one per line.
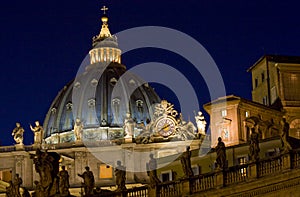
point(100, 97)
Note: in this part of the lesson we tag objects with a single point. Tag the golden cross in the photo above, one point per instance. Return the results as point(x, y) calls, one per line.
point(104, 9)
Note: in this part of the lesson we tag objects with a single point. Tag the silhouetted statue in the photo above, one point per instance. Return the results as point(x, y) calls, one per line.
point(64, 182)
point(18, 134)
point(221, 154)
point(254, 146)
point(47, 166)
point(10, 191)
point(38, 132)
point(285, 127)
point(120, 173)
point(39, 190)
point(151, 171)
point(17, 184)
point(88, 181)
point(186, 162)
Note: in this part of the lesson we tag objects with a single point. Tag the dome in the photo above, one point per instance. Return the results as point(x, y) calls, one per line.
point(100, 97)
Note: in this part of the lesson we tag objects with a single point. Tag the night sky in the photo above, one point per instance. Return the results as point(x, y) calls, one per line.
point(44, 42)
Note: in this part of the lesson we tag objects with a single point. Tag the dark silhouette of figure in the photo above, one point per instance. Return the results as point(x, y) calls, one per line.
point(186, 162)
point(89, 181)
point(221, 154)
point(285, 127)
point(151, 171)
point(120, 173)
point(254, 146)
point(47, 166)
point(64, 182)
point(17, 184)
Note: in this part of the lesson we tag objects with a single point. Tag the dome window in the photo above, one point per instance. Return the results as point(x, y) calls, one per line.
point(132, 82)
point(91, 102)
point(113, 81)
point(53, 110)
point(94, 83)
point(69, 106)
point(77, 85)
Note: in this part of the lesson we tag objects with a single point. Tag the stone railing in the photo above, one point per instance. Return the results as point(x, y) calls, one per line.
point(173, 188)
point(232, 175)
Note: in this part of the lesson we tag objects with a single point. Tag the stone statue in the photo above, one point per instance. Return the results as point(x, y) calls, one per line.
point(24, 192)
point(18, 134)
point(128, 125)
point(47, 166)
point(201, 123)
point(10, 192)
point(64, 182)
point(88, 181)
point(151, 171)
point(285, 127)
point(39, 190)
point(221, 154)
point(186, 162)
point(120, 173)
point(38, 132)
point(17, 184)
point(78, 129)
point(254, 146)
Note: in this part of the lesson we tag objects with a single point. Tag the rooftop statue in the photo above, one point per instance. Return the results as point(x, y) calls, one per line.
point(201, 123)
point(78, 129)
point(38, 132)
point(18, 134)
point(128, 125)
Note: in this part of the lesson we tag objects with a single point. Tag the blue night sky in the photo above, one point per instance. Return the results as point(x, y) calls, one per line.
point(44, 42)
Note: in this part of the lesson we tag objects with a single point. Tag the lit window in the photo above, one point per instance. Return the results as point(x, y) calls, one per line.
point(105, 171)
point(242, 160)
point(247, 114)
point(224, 112)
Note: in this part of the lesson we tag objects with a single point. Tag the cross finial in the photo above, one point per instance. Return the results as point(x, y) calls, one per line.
point(104, 9)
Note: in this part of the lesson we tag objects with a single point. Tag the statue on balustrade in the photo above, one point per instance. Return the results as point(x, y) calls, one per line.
point(18, 134)
point(151, 171)
point(221, 154)
point(254, 146)
point(186, 162)
point(88, 181)
point(78, 129)
point(128, 125)
point(38, 132)
point(64, 182)
point(47, 166)
point(285, 127)
point(120, 173)
point(201, 123)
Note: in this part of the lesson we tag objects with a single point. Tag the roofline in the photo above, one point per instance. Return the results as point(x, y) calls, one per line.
point(237, 98)
point(276, 58)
